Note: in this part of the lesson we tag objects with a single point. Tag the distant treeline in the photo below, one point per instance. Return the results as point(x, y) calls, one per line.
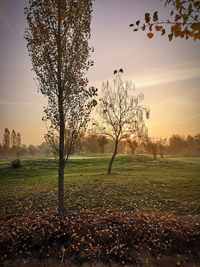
point(189, 146)
point(175, 145)
point(11, 143)
point(95, 143)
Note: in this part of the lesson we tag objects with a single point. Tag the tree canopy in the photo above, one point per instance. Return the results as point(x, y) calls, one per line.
point(57, 39)
point(121, 111)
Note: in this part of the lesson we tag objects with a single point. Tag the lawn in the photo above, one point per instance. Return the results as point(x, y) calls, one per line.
point(138, 183)
point(145, 214)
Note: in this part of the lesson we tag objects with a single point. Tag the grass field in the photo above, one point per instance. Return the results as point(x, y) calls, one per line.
point(145, 214)
point(138, 183)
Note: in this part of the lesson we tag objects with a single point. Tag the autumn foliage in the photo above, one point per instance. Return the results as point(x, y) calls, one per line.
point(105, 235)
point(184, 21)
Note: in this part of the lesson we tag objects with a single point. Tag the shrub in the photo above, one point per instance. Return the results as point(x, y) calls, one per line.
point(15, 164)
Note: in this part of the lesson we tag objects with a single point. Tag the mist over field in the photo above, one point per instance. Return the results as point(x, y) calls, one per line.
point(99, 133)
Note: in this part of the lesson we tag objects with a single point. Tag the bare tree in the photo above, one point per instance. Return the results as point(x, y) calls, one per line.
point(154, 146)
point(57, 38)
point(121, 112)
point(162, 146)
point(131, 142)
point(151, 146)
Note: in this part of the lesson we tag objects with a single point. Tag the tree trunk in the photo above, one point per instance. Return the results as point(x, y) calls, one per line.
point(132, 150)
point(113, 157)
point(61, 166)
point(155, 156)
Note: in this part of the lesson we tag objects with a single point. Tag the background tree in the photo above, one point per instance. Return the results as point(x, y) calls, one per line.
point(1, 150)
point(184, 21)
point(45, 149)
point(80, 143)
point(162, 146)
point(57, 39)
point(32, 150)
point(151, 146)
point(92, 143)
point(6, 141)
point(177, 144)
point(102, 142)
point(197, 140)
point(190, 141)
point(18, 143)
point(121, 112)
point(132, 144)
point(13, 142)
point(13, 138)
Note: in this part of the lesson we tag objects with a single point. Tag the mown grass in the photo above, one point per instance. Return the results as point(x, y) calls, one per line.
point(137, 183)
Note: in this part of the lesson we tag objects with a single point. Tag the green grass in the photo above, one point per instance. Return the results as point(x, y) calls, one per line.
point(137, 183)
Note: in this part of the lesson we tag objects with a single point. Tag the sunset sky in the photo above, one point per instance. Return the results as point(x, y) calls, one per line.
point(168, 73)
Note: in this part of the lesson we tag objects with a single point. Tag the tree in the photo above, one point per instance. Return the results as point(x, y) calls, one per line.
point(77, 116)
point(161, 146)
point(151, 146)
point(177, 143)
point(32, 150)
point(131, 142)
point(92, 143)
point(184, 21)
point(13, 142)
point(57, 40)
point(6, 141)
point(190, 141)
point(18, 143)
point(1, 150)
point(102, 142)
point(197, 140)
point(155, 146)
point(13, 138)
point(80, 143)
point(45, 149)
point(121, 112)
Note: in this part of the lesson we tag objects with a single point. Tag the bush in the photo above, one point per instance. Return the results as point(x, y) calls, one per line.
point(15, 164)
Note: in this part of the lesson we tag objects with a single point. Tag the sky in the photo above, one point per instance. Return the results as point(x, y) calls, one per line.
point(167, 73)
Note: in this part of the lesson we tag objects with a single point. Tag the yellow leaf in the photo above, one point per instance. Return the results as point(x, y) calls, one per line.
point(150, 35)
point(158, 28)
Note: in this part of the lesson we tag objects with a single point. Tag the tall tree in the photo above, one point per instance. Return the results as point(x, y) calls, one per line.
point(13, 138)
point(13, 142)
point(6, 141)
point(57, 39)
point(184, 21)
point(18, 143)
point(121, 112)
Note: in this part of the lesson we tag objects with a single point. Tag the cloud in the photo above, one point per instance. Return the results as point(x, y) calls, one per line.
point(160, 76)
point(13, 103)
point(165, 75)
